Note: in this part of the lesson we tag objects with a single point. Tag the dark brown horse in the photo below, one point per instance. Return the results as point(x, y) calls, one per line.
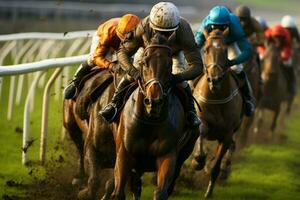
point(220, 100)
point(77, 130)
point(253, 73)
point(75, 117)
point(275, 86)
point(151, 134)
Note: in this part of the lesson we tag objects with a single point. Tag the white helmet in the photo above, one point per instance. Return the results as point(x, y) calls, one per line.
point(164, 16)
point(288, 22)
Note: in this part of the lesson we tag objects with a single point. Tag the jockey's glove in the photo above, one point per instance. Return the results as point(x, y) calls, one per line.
point(134, 73)
point(230, 63)
point(114, 67)
point(176, 78)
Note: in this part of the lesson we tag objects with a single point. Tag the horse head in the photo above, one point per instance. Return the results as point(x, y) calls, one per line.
point(156, 71)
point(271, 61)
point(215, 57)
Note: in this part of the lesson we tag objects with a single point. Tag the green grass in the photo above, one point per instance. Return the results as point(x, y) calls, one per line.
point(11, 167)
point(263, 171)
point(278, 5)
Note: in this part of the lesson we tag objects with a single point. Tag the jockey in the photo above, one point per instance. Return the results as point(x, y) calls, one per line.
point(251, 26)
point(239, 49)
point(253, 31)
point(289, 23)
point(262, 22)
point(165, 19)
point(106, 41)
point(282, 38)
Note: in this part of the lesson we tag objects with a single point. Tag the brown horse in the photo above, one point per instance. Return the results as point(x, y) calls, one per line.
point(151, 134)
point(253, 73)
point(76, 123)
point(275, 86)
point(77, 130)
point(220, 100)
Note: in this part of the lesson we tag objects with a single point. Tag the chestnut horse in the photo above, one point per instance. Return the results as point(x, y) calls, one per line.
point(275, 86)
point(222, 105)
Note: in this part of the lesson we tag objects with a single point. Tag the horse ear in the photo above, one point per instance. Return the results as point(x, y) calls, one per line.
point(226, 32)
point(172, 38)
point(205, 33)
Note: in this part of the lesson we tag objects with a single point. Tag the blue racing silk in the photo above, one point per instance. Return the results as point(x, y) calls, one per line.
point(236, 34)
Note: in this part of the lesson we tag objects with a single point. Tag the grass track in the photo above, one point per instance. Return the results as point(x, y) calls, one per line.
point(262, 171)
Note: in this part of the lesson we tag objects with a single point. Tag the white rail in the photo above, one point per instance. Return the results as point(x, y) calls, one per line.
point(30, 47)
point(52, 36)
point(40, 65)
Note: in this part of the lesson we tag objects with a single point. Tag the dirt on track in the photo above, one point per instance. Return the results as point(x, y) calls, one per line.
point(60, 170)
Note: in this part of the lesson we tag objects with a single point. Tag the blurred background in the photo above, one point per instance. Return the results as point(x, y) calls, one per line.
point(70, 15)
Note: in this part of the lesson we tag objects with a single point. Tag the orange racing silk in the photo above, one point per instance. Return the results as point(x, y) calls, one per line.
point(109, 42)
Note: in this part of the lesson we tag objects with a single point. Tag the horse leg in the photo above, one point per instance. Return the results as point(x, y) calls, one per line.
point(77, 137)
point(109, 188)
point(247, 122)
point(136, 185)
point(274, 121)
point(122, 170)
point(226, 162)
point(166, 170)
point(89, 193)
point(184, 153)
point(221, 150)
point(199, 160)
point(259, 122)
point(289, 105)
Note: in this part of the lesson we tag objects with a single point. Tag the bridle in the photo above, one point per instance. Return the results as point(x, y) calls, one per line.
point(222, 68)
point(144, 86)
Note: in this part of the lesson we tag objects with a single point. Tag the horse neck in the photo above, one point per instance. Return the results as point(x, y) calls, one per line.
point(271, 62)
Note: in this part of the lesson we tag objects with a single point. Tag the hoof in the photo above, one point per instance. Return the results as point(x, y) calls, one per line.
point(85, 194)
point(224, 174)
point(77, 181)
point(198, 163)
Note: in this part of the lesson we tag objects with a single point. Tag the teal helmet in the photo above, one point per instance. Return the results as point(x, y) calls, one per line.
point(219, 15)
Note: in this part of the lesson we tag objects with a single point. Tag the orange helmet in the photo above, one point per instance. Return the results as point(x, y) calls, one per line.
point(278, 30)
point(126, 24)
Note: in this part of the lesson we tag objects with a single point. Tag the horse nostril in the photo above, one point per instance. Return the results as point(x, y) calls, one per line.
point(208, 79)
point(147, 101)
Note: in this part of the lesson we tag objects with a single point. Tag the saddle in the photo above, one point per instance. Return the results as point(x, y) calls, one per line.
point(90, 88)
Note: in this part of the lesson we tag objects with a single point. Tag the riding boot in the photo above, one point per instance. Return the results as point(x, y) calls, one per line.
point(109, 112)
point(71, 89)
point(247, 94)
point(192, 117)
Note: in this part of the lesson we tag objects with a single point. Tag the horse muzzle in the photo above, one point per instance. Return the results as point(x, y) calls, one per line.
point(153, 107)
point(214, 84)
